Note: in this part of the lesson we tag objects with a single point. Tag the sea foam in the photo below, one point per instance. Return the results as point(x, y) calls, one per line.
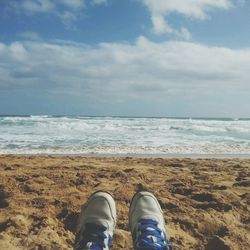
point(122, 135)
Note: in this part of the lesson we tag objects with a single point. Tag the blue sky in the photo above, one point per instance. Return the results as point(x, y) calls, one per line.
point(134, 57)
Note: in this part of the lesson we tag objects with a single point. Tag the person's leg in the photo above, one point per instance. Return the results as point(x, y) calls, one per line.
point(147, 223)
point(96, 223)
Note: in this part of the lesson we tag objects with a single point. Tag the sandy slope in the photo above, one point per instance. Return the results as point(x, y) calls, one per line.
point(206, 202)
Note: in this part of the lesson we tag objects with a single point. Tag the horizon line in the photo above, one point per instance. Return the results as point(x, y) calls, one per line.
point(129, 116)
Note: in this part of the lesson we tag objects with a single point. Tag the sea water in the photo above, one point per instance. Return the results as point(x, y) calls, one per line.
point(122, 135)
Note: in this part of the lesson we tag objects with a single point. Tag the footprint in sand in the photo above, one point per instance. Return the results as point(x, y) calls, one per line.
point(208, 200)
point(3, 203)
point(4, 225)
point(216, 243)
point(4, 195)
point(183, 191)
point(69, 219)
point(22, 178)
point(203, 197)
point(168, 205)
point(242, 183)
point(8, 168)
point(219, 187)
point(39, 202)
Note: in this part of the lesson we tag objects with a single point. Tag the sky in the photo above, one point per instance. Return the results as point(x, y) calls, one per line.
point(125, 58)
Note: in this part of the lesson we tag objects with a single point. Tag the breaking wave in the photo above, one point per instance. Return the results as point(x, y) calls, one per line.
point(122, 135)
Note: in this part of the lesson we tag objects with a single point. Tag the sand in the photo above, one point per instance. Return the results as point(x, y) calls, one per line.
point(205, 202)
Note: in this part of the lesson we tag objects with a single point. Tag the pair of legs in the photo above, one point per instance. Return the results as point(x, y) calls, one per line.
point(97, 222)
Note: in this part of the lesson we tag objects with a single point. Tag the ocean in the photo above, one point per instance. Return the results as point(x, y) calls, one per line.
point(123, 135)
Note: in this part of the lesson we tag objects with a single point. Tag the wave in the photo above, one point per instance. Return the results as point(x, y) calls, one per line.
point(50, 134)
point(149, 150)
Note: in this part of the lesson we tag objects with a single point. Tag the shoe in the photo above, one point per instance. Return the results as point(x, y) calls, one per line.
point(96, 223)
point(147, 223)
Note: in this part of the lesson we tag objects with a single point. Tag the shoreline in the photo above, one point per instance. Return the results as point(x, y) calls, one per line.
point(152, 156)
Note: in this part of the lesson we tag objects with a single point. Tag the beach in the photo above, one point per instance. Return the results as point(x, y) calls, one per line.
point(205, 201)
point(123, 97)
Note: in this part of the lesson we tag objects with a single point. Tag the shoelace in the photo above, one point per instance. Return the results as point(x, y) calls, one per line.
point(151, 236)
point(93, 237)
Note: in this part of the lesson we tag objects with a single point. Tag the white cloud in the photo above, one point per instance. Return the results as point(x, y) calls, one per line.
point(197, 9)
point(67, 10)
point(68, 18)
point(143, 65)
point(17, 52)
point(191, 8)
point(159, 74)
point(34, 6)
point(46, 6)
point(29, 35)
point(98, 2)
point(184, 33)
point(161, 25)
point(73, 4)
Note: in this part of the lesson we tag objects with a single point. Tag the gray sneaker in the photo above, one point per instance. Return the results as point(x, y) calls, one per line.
point(147, 223)
point(96, 223)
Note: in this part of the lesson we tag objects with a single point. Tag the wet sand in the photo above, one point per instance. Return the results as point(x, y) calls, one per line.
point(206, 202)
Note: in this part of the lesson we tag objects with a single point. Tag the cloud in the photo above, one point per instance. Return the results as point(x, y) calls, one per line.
point(116, 66)
point(74, 4)
point(160, 25)
point(196, 9)
point(157, 75)
point(184, 33)
point(29, 35)
point(68, 11)
point(190, 8)
point(33, 6)
point(68, 18)
point(98, 2)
